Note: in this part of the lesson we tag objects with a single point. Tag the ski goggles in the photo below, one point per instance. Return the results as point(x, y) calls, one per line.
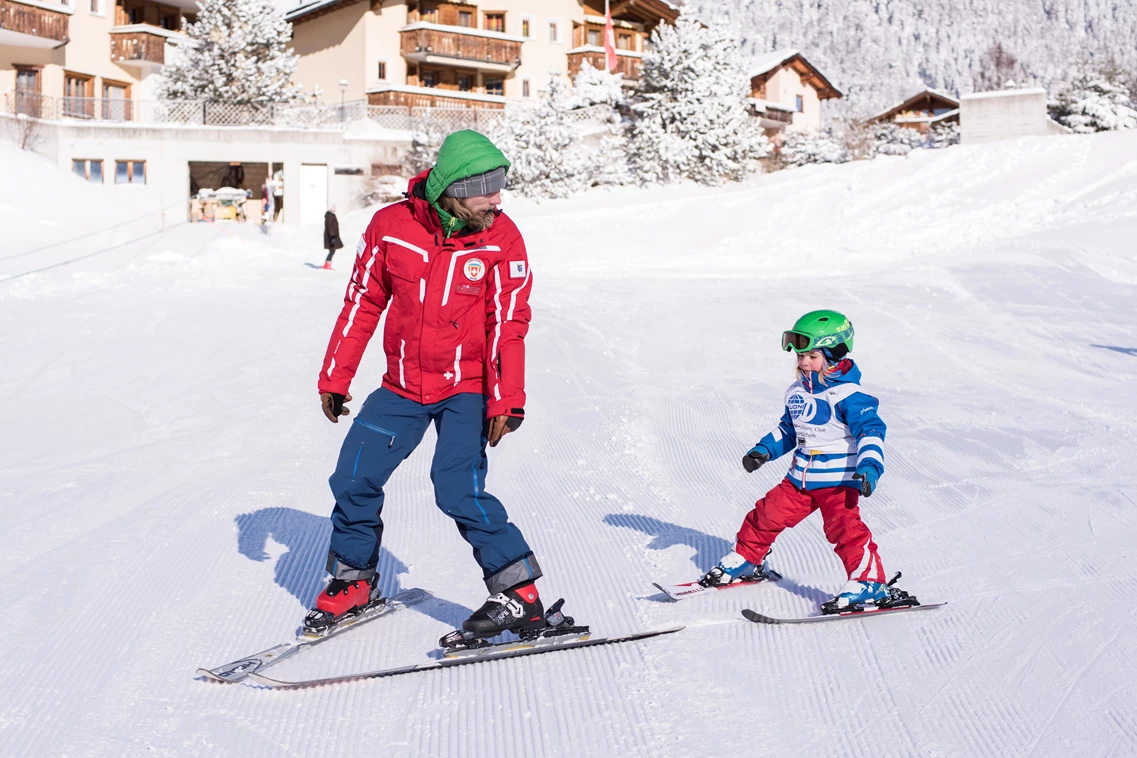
point(796, 341)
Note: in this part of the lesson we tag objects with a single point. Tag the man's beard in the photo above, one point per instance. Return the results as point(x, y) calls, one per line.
point(480, 221)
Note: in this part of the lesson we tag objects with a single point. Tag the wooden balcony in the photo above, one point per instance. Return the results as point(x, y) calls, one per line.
point(425, 97)
point(628, 65)
point(487, 51)
point(138, 46)
point(28, 23)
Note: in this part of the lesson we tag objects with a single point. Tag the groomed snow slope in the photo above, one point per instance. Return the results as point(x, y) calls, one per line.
point(163, 488)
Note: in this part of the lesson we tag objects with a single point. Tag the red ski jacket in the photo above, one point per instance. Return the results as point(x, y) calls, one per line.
point(457, 308)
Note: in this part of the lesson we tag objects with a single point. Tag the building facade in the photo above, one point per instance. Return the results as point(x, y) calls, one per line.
point(786, 91)
point(86, 58)
point(473, 54)
point(922, 111)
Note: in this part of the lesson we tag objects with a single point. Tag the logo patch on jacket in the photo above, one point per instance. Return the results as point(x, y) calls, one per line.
point(517, 269)
point(474, 269)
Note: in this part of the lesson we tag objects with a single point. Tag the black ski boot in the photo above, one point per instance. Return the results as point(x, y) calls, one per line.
point(516, 610)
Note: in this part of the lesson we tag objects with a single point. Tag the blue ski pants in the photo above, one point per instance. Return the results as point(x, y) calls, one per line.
point(386, 431)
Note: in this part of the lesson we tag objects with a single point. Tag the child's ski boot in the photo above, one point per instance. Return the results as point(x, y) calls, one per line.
point(859, 596)
point(734, 568)
point(342, 601)
point(532, 627)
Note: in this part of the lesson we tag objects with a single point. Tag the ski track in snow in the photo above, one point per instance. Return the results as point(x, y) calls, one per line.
point(165, 504)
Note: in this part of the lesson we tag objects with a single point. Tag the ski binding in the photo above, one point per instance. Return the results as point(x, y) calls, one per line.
point(558, 630)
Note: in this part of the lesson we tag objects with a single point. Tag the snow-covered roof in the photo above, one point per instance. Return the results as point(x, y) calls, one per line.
point(927, 91)
point(1004, 93)
point(766, 64)
point(770, 61)
point(306, 9)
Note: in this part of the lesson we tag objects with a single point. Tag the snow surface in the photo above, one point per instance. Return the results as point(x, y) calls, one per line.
point(164, 500)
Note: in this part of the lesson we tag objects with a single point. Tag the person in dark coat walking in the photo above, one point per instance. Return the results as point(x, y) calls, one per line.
point(332, 241)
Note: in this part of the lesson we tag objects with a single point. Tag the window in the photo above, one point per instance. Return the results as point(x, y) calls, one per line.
point(554, 31)
point(429, 79)
point(130, 172)
point(91, 171)
point(525, 88)
point(624, 42)
point(29, 101)
point(465, 82)
point(594, 37)
point(495, 22)
point(525, 24)
point(495, 87)
point(381, 71)
point(116, 101)
point(430, 15)
point(78, 95)
point(798, 103)
point(97, 7)
point(169, 21)
point(136, 15)
point(465, 18)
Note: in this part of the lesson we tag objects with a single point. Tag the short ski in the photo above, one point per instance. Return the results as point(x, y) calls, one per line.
point(239, 669)
point(690, 589)
point(515, 649)
point(759, 618)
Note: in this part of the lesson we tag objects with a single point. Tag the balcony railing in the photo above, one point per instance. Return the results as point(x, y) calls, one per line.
point(138, 46)
point(34, 20)
point(626, 64)
point(421, 42)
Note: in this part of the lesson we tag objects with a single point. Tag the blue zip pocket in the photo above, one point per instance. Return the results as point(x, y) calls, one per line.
point(379, 429)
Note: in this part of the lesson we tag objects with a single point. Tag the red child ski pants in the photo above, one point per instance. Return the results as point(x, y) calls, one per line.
point(786, 506)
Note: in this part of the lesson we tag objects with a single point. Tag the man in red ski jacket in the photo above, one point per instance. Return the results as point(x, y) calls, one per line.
point(451, 272)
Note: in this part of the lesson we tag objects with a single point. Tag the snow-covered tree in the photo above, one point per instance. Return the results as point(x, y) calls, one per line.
point(594, 86)
point(943, 135)
point(1096, 102)
point(996, 68)
point(893, 139)
point(241, 56)
point(691, 119)
point(879, 53)
point(548, 156)
point(802, 148)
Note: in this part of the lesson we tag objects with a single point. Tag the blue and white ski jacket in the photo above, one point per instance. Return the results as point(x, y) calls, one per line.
point(834, 428)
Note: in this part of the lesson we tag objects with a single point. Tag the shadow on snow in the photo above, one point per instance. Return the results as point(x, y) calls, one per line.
point(301, 569)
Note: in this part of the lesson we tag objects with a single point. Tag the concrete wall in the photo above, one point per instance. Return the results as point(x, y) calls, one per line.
point(1003, 114)
point(169, 150)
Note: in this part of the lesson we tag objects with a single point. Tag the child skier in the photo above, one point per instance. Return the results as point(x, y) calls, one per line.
point(839, 456)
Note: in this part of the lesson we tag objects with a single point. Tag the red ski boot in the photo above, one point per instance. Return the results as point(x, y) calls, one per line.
point(339, 602)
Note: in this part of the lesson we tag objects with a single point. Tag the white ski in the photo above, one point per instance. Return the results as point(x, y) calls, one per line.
point(760, 618)
point(499, 652)
point(690, 589)
point(243, 667)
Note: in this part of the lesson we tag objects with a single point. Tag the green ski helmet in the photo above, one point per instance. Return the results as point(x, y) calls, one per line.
point(828, 331)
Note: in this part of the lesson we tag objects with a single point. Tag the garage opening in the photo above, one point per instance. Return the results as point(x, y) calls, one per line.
point(236, 191)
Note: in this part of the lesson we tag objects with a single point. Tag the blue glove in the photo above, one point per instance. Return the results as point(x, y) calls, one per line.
point(867, 475)
point(754, 459)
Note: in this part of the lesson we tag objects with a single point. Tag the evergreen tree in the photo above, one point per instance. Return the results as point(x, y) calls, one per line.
point(690, 114)
point(241, 56)
point(593, 86)
point(802, 148)
point(1096, 102)
point(548, 157)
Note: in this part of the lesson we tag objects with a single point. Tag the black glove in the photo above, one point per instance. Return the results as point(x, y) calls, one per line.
point(753, 460)
point(332, 405)
point(867, 477)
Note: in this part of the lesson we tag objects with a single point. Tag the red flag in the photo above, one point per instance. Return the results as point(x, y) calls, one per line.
point(609, 41)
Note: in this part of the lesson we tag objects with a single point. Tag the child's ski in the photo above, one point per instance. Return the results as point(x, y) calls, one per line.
point(759, 618)
point(515, 649)
point(239, 669)
point(690, 589)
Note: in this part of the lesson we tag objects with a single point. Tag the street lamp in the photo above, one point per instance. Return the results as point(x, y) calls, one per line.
point(343, 93)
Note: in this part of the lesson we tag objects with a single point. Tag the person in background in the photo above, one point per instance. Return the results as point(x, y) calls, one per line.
point(332, 241)
point(267, 203)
